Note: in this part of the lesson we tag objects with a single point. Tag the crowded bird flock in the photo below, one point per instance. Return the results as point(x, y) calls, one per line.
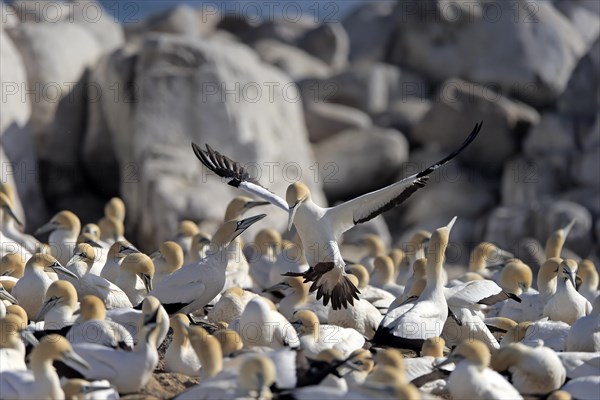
point(83, 315)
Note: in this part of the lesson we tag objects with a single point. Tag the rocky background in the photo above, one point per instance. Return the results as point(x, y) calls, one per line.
point(93, 109)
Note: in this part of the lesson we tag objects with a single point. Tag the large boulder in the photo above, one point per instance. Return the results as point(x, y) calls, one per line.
point(552, 139)
point(507, 226)
point(180, 19)
point(326, 119)
point(328, 42)
point(9, 15)
point(212, 91)
point(16, 107)
point(249, 30)
point(528, 181)
point(444, 39)
point(295, 62)
point(91, 15)
point(370, 26)
point(458, 106)
point(357, 161)
point(404, 114)
point(583, 14)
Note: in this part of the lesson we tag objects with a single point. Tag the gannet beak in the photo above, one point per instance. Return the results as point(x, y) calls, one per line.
point(75, 358)
point(29, 337)
point(292, 215)
point(4, 295)
point(48, 227)
point(573, 279)
point(76, 258)
point(94, 244)
point(252, 204)
point(56, 267)
point(567, 229)
point(129, 250)
point(248, 222)
point(47, 306)
point(13, 215)
point(154, 255)
point(152, 318)
point(451, 224)
point(278, 287)
point(147, 282)
point(6, 273)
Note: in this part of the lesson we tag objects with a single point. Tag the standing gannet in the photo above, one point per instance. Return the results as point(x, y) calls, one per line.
point(64, 229)
point(199, 248)
point(85, 283)
point(383, 276)
point(472, 379)
point(589, 280)
point(135, 277)
point(168, 259)
point(12, 267)
point(297, 298)
point(321, 228)
point(315, 337)
point(566, 304)
point(584, 334)
point(208, 351)
point(12, 348)
point(9, 222)
point(31, 289)
point(111, 230)
point(432, 351)
point(194, 285)
point(115, 208)
point(375, 247)
point(364, 316)
point(402, 269)
point(59, 306)
point(534, 371)
point(408, 325)
point(230, 305)
point(116, 254)
point(487, 254)
point(557, 239)
point(41, 382)
point(516, 278)
point(262, 326)
point(128, 371)
point(532, 303)
point(414, 286)
point(93, 327)
point(267, 244)
point(180, 356)
point(380, 298)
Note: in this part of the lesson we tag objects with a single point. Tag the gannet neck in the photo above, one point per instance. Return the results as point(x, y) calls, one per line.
point(299, 293)
point(361, 274)
point(115, 208)
point(556, 241)
point(589, 275)
point(10, 337)
point(209, 352)
point(310, 323)
point(111, 229)
point(92, 309)
point(547, 276)
point(391, 358)
point(374, 245)
point(173, 256)
point(383, 269)
point(433, 347)
point(269, 242)
point(179, 323)
point(508, 356)
point(257, 374)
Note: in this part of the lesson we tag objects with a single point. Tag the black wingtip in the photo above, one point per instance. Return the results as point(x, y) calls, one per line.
point(514, 297)
point(456, 152)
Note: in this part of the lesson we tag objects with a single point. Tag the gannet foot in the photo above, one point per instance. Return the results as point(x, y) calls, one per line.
point(330, 282)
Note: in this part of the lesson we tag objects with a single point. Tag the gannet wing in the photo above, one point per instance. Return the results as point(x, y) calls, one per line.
point(225, 167)
point(370, 205)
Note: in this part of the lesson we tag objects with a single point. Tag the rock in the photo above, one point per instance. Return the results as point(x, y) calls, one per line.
point(9, 15)
point(57, 88)
point(444, 39)
point(97, 20)
point(585, 167)
point(208, 92)
point(42, 11)
point(370, 26)
point(458, 106)
point(581, 98)
point(357, 161)
point(249, 30)
point(553, 139)
point(328, 42)
point(180, 20)
point(527, 181)
point(296, 63)
point(162, 386)
point(404, 115)
point(16, 107)
point(367, 86)
point(583, 16)
point(531, 252)
point(553, 215)
point(507, 226)
point(324, 120)
point(587, 197)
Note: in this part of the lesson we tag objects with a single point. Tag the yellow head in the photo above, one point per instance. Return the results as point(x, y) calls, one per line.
point(115, 208)
point(92, 308)
point(12, 264)
point(296, 194)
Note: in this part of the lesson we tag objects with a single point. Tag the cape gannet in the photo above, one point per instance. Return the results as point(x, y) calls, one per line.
point(402, 269)
point(486, 255)
point(567, 304)
point(183, 237)
point(180, 356)
point(380, 298)
point(85, 283)
point(9, 222)
point(408, 325)
point(230, 305)
point(111, 230)
point(315, 337)
point(297, 298)
point(534, 371)
point(193, 286)
point(59, 306)
point(321, 228)
point(383, 276)
point(41, 382)
point(135, 277)
point(553, 334)
point(80, 389)
point(168, 259)
point(64, 229)
point(472, 379)
point(116, 254)
point(31, 289)
point(12, 349)
point(556, 241)
point(12, 267)
point(589, 280)
point(262, 326)
point(115, 208)
point(584, 334)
